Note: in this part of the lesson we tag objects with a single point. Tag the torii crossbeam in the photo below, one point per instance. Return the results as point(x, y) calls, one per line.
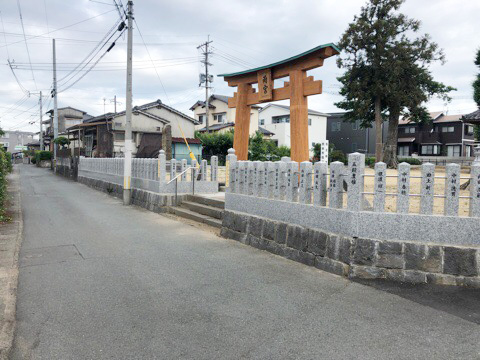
point(296, 89)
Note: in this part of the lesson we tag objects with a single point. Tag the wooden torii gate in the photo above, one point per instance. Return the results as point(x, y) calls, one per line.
point(297, 89)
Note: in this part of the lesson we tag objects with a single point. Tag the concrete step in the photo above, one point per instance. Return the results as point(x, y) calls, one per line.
point(220, 204)
point(191, 215)
point(208, 210)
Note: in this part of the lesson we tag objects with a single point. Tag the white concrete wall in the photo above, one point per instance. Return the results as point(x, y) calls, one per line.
point(317, 132)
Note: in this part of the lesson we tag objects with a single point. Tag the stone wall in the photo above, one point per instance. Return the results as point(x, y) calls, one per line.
point(355, 257)
point(146, 199)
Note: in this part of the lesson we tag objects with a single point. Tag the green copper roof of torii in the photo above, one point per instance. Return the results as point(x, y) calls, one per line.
point(283, 61)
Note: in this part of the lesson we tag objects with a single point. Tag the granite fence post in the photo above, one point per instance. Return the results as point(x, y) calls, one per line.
point(305, 190)
point(324, 149)
point(286, 159)
point(336, 185)
point(380, 187)
point(214, 168)
point(262, 179)
point(270, 179)
point(193, 172)
point(320, 184)
point(250, 177)
point(173, 168)
point(475, 190)
point(256, 178)
point(183, 167)
point(356, 170)
point(403, 199)
point(427, 189)
point(240, 176)
point(276, 175)
point(203, 175)
point(452, 189)
point(292, 181)
point(231, 171)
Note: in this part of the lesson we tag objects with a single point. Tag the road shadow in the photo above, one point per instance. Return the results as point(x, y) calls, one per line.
point(458, 301)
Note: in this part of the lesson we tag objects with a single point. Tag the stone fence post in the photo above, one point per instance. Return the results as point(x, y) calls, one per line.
point(336, 185)
point(403, 188)
point(230, 159)
point(194, 172)
point(203, 169)
point(250, 178)
point(269, 176)
point(183, 167)
point(380, 187)
point(475, 190)
point(452, 189)
point(240, 176)
point(305, 191)
point(356, 170)
point(427, 189)
point(292, 182)
point(214, 168)
point(173, 168)
point(320, 184)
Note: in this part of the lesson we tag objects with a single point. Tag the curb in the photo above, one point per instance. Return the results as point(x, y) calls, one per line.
point(9, 266)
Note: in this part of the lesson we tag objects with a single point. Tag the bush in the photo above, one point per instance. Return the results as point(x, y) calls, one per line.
point(337, 155)
point(4, 170)
point(215, 144)
point(42, 155)
point(411, 161)
point(33, 160)
point(8, 157)
point(369, 161)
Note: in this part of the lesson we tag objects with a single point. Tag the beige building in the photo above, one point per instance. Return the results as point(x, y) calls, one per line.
point(221, 117)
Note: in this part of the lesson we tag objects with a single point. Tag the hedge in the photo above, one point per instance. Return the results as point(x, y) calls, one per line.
point(42, 155)
point(5, 168)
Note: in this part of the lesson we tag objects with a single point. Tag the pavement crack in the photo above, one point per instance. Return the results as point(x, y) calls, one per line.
point(79, 253)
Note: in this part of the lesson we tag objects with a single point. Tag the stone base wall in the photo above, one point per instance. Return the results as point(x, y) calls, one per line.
point(146, 199)
point(353, 257)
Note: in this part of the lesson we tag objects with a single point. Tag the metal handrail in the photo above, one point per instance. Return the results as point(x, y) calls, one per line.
point(183, 172)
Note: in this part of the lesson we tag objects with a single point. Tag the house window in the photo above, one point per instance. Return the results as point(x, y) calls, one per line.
point(354, 147)
point(430, 149)
point(5, 145)
point(201, 119)
point(469, 129)
point(454, 150)
point(280, 119)
point(220, 118)
point(336, 126)
point(262, 121)
point(119, 136)
point(448, 129)
point(356, 125)
point(309, 122)
point(404, 150)
point(410, 130)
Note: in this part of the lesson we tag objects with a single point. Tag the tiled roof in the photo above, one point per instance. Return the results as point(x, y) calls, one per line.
point(265, 131)
point(474, 117)
point(217, 127)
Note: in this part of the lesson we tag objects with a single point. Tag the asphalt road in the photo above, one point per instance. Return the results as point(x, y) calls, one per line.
point(99, 280)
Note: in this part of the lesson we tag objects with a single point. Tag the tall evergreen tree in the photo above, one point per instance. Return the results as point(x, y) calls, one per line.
point(476, 94)
point(387, 72)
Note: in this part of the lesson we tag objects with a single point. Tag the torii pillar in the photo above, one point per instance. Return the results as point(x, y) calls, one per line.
point(297, 89)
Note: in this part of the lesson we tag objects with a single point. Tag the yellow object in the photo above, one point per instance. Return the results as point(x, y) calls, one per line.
point(188, 146)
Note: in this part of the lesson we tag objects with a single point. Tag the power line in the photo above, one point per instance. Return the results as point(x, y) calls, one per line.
point(49, 32)
point(26, 44)
point(4, 37)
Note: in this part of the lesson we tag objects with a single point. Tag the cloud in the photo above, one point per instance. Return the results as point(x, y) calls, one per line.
point(245, 34)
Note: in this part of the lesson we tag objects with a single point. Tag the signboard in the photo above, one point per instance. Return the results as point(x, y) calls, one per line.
point(265, 85)
point(20, 147)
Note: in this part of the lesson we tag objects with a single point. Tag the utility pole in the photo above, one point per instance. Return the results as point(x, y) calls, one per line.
point(115, 104)
point(55, 106)
point(127, 173)
point(205, 77)
point(41, 117)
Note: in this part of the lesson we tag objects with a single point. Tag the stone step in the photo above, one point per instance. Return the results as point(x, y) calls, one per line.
point(208, 210)
point(220, 204)
point(191, 215)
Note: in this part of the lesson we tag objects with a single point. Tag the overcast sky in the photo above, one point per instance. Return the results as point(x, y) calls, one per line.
point(245, 34)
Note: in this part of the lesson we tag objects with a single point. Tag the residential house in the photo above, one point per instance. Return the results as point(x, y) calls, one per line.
point(67, 117)
point(155, 126)
point(350, 136)
point(221, 117)
point(444, 135)
point(16, 141)
point(276, 119)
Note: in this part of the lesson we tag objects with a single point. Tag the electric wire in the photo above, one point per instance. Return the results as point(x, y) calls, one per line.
point(26, 43)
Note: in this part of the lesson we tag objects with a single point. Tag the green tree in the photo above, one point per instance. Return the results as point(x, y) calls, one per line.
point(215, 144)
point(62, 141)
point(387, 71)
point(476, 94)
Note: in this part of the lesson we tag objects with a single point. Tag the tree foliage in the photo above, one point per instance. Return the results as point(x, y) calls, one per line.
point(387, 70)
point(62, 141)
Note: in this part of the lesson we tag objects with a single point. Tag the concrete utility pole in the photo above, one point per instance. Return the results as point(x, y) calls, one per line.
point(55, 106)
point(41, 117)
point(205, 62)
point(127, 174)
